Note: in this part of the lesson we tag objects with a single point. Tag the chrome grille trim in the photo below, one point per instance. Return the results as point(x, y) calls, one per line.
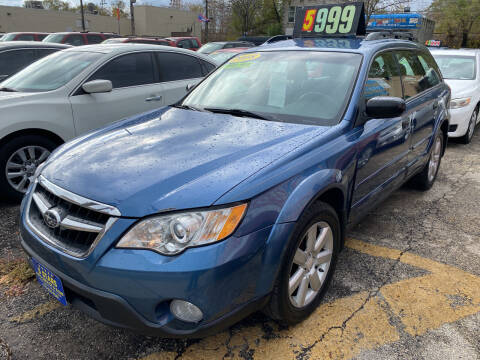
point(40, 205)
point(77, 199)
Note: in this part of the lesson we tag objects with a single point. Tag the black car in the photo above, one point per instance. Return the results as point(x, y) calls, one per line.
point(218, 45)
point(16, 55)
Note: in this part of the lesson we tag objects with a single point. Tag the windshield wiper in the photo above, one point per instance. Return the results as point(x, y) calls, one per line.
point(238, 112)
point(6, 89)
point(186, 107)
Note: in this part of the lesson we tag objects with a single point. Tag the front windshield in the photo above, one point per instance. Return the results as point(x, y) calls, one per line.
point(456, 67)
point(54, 38)
point(221, 57)
point(8, 37)
point(51, 72)
point(210, 47)
point(307, 87)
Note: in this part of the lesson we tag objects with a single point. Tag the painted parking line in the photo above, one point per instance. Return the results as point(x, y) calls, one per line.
point(347, 326)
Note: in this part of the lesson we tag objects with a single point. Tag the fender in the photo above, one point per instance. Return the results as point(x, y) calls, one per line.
point(309, 190)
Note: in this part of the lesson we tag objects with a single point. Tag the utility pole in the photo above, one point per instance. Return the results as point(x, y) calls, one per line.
point(206, 23)
point(132, 16)
point(83, 15)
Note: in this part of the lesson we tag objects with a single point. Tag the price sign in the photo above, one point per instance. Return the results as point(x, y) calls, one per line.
point(330, 20)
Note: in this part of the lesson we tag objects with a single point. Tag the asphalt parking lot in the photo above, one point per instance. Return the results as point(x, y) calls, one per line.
point(407, 287)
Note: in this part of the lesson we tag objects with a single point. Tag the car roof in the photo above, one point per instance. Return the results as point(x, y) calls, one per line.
point(27, 32)
point(181, 37)
point(120, 48)
point(336, 44)
point(80, 32)
point(466, 52)
point(33, 44)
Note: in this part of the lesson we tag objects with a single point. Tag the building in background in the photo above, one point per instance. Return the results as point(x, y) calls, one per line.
point(177, 4)
point(149, 20)
point(33, 4)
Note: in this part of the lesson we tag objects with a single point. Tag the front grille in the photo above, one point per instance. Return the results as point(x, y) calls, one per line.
point(59, 218)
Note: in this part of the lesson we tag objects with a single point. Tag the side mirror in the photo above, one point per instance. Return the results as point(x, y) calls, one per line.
point(384, 107)
point(190, 87)
point(97, 86)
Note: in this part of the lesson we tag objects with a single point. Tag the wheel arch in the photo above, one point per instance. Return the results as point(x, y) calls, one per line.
point(38, 132)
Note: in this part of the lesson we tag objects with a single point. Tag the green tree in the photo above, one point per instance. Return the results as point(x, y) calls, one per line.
point(57, 5)
point(455, 19)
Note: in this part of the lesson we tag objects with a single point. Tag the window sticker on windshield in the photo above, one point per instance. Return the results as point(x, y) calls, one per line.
point(245, 58)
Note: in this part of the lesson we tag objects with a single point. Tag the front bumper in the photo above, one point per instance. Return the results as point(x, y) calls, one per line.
point(459, 120)
point(113, 310)
point(133, 288)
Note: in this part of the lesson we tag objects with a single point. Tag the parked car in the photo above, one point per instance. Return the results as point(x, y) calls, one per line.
point(460, 69)
point(181, 221)
point(277, 38)
point(77, 90)
point(78, 38)
point(185, 42)
point(222, 55)
point(16, 55)
point(257, 40)
point(24, 36)
point(218, 45)
point(138, 40)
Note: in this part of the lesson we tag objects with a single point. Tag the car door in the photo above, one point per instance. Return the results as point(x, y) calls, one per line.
point(176, 71)
point(421, 94)
point(383, 145)
point(74, 39)
point(135, 90)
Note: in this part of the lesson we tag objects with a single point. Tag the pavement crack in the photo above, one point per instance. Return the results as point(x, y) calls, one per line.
point(5, 349)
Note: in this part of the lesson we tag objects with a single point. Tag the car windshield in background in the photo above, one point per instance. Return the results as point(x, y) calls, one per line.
point(306, 87)
point(51, 72)
point(210, 47)
point(8, 37)
point(456, 67)
point(54, 38)
point(221, 57)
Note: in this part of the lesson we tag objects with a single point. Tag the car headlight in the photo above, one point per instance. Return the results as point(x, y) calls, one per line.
point(171, 234)
point(459, 103)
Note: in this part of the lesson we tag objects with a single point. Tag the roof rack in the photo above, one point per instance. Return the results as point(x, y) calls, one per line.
point(385, 34)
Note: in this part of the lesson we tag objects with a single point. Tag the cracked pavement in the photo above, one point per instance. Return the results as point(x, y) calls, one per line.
point(407, 286)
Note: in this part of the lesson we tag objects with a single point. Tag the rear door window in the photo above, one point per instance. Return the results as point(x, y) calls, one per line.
point(185, 44)
point(174, 67)
point(412, 72)
point(15, 60)
point(128, 70)
point(94, 39)
point(25, 37)
point(432, 77)
point(383, 77)
point(74, 39)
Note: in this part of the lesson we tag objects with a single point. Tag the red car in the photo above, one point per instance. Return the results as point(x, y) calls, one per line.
point(139, 40)
point(186, 42)
point(78, 38)
point(24, 36)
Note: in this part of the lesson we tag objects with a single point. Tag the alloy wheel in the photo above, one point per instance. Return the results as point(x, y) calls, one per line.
point(310, 264)
point(434, 159)
point(22, 164)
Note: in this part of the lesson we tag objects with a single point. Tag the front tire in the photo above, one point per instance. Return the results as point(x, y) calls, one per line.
point(19, 158)
point(465, 139)
point(308, 267)
point(425, 179)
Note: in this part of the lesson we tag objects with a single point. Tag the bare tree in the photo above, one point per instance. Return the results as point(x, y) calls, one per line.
point(245, 11)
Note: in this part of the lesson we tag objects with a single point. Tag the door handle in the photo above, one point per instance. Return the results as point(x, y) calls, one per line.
point(154, 98)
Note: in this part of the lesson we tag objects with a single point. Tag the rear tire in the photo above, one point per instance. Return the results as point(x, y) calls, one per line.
point(21, 156)
point(425, 179)
point(307, 264)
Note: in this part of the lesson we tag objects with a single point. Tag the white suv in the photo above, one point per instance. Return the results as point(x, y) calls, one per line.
point(77, 90)
point(460, 69)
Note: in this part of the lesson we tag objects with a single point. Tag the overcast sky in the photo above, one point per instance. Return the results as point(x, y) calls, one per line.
point(415, 4)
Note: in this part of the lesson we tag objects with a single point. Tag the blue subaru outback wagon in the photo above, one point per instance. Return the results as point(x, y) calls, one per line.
point(181, 221)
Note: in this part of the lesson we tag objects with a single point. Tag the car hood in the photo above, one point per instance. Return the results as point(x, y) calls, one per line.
point(171, 159)
point(462, 88)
